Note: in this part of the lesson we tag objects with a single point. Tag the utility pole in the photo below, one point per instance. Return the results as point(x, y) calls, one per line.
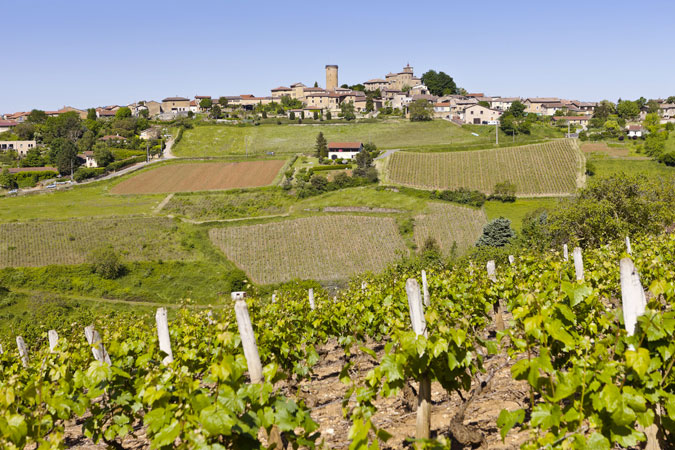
point(147, 152)
point(568, 129)
point(497, 133)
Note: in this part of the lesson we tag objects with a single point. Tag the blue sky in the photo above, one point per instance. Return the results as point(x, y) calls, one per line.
point(85, 53)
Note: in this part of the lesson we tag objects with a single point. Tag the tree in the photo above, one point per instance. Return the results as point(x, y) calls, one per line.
point(25, 131)
point(347, 110)
point(87, 141)
point(106, 262)
point(627, 109)
point(144, 113)
point(671, 99)
point(91, 114)
point(517, 109)
point(484, 104)
point(316, 115)
point(216, 113)
point(319, 182)
point(321, 146)
point(291, 115)
point(653, 106)
point(63, 153)
point(33, 158)
point(222, 101)
point(103, 156)
point(7, 181)
point(604, 109)
point(420, 110)
point(316, 84)
point(504, 191)
point(67, 125)
point(205, 103)
point(439, 84)
point(497, 233)
point(652, 122)
point(123, 113)
point(290, 103)
point(369, 104)
point(37, 116)
point(363, 159)
point(329, 116)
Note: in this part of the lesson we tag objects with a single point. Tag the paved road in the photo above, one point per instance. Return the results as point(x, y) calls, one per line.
point(388, 152)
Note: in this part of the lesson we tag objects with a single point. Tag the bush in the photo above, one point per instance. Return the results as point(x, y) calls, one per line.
point(106, 263)
point(590, 168)
point(462, 196)
point(497, 233)
point(117, 165)
point(668, 159)
point(84, 173)
point(30, 179)
point(504, 192)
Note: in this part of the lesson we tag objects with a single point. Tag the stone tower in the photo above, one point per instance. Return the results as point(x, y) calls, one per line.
point(331, 77)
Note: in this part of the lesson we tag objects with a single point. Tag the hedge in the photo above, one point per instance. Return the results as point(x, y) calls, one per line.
point(117, 165)
point(336, 167)
point(30, 179)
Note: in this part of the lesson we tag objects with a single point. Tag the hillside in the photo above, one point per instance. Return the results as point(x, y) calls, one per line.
point(549, 169)
point(562, 366)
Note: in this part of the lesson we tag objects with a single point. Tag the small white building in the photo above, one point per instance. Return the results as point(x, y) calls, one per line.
point(635, 131)
point(21, 147)
point(443, 110)
point(344, 150)
point(89, 160)
point(480, 115)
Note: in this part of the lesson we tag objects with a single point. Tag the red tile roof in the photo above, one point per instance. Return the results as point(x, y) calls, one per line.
point(281, 88)
point(7, 123)
point(176, 99)
point(344, 145)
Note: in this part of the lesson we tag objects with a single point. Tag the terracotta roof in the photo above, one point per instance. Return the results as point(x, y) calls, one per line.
point(298, 84)
point(202, 96)
point(634, 127)
point(390, 75)
point(571, 118)
point(313, 89)
point(176, 99)
point(375, 80)
point(505, 99)
point(88, 153)
point(281, 88)
point(7, 123)
point(667, 105)
point(478, 94)
point(442, 104)
point(317, 94)
point(105, 112)
point(33, 169)
point(111, 137)
point(193, 103)
point(543, 100)
point(344, 145)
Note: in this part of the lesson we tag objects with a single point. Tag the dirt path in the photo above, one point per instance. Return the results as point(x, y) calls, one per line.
point(163, 203)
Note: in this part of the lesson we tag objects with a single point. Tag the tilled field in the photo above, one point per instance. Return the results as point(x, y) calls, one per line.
point(192, 177)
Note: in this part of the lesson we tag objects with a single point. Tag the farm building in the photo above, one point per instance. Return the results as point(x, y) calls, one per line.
point(343, 150)
point(635, 131)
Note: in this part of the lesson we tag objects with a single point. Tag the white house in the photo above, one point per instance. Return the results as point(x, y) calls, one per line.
point(480, 115)
point(502, 103)
point(635, 131)
point(344, 150)
point(21, 147)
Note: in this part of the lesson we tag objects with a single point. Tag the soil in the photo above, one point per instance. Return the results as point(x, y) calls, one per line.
point(192, 177)
point(324, 394)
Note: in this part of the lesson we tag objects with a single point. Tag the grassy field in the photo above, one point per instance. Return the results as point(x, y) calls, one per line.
point(191, 177)
point(70, 242)
point(517, 210)
point(436, 135)
point(450, 225)
point(92, 200)
point(548, 169)
point(329, 248)
point(611, 166)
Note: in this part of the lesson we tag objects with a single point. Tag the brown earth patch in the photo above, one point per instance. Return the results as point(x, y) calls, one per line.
point(191, 177)
point(601, 147)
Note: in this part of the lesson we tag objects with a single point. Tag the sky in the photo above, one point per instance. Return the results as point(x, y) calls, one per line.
point(86, 54)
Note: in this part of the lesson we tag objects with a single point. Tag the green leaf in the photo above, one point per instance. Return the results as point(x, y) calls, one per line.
point(638, 360)
point(597, 442)
point(216, 420)
point(167, 435)
point(508, 419)
point(557, 331)
point(546, 416)
point(576, 293)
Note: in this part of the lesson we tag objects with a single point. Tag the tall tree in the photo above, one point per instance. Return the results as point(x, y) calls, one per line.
point(497, 233)
point(37, 116)
point(604, 109)
point(439, 83)
point(216, 113)
point(25, 131)
point(123, 113)
point(32, 158)
point(653, 106)
point(63, 153)
point(517, 109)
point(205, 103)
point(67, 125)
point(627, 109)
point(369, 104)
point(222, 101)
point(7, 181)
point(321, 146)
point(420, 110)
point(347, 110)
point(91, 114)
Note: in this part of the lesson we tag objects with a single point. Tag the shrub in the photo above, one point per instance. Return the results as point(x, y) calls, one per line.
point(84, 173)
point(497, 233)
point(106, 263)
point(504, 192)
point(462, 196)
point(590, 168)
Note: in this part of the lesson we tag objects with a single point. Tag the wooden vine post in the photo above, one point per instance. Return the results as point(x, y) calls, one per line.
point(566, 254)
point(491, 270)
point(634, 303)
point(163, 335)
point(629, 249)
point(311, 298)
point(425, 289)
point(492, 275)
point(53, 339)
point(423, 426)
point(578, 263)
point(512, 260)
point(96, 343)
point(253, 357)
point(23, 351)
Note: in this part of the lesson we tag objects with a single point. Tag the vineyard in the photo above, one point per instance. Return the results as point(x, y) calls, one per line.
point(192, 177)
point(549, 169)
point(331, 247)
point(70, 242)
point(450, 224)
point(567, 354)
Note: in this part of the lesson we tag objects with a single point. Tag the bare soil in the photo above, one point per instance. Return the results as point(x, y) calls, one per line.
point(192, 177)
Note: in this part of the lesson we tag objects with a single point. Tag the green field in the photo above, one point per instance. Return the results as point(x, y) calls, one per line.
point(222, 140)
point(91, 200)
point(70, 242)
point(549, 169)
point(517, 210)
point(329, 247)
point(611, 166)
point(450, 225)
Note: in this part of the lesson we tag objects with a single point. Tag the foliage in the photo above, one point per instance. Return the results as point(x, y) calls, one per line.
point(33, 158)
point(462, 196)
point(106, 262)
point(504, 191)
point(7, 181)
point(85, 173)
point(439, 83)
point(321, 146)
point(65, 126)
point(290, 103)
point(37, 116)
point(497, 233)
point(103, 156)
point(420, 110)
point(63, 153)
point(347, 110)
point(205, 103)
point(123, 113)
point(627, 109)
